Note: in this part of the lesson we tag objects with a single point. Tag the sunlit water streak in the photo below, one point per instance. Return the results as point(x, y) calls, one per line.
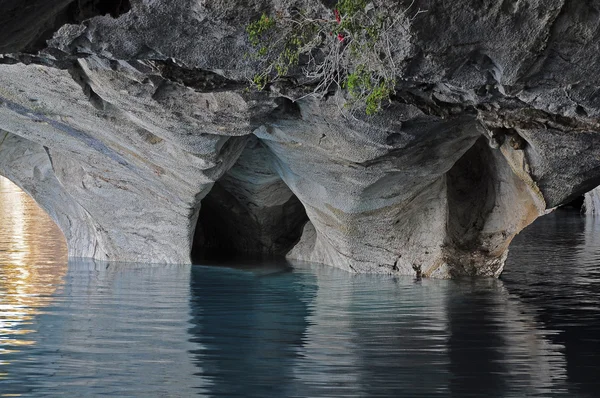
point(273, 330)
point(32, 262)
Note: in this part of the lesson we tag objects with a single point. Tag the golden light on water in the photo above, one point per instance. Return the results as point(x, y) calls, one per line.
point(33, 261)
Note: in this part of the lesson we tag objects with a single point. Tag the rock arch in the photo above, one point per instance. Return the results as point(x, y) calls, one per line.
point(249, 210)
point(29, 166)
point(128, 127)
point(122, 185)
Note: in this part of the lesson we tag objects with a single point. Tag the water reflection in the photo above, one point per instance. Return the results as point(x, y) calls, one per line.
point(276, 330)
point(112, 330)
point(554, 267)
point(374, 336)
point(33, 259)
point(497, 347)
point(320, 332)
point(250, 328)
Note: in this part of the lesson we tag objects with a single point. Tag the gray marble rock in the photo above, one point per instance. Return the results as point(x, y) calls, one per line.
point(250, 209)
point(591, 203)
point(130, 119)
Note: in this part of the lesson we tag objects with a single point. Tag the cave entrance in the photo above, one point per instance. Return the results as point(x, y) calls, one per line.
point(33, 257)
point(28, 236)
point(249, 213)
point(575, 204)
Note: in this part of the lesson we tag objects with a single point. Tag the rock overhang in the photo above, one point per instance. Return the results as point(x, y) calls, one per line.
point(146, 110)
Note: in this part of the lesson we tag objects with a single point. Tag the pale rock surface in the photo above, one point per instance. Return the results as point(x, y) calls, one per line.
point(138, 171)
point(133, 115)
point(29, 165)
point(250, 209)
point(591, 203)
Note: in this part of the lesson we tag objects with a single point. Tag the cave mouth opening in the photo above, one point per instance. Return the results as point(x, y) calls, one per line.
point(27, 231)
point(249, 215)
point(232, 228)
point(575, 204)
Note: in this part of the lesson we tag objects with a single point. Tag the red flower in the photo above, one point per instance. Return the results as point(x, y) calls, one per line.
point(337, 16)
point(340, 37)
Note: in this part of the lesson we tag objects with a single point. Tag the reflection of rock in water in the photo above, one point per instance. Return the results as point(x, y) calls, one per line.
point(379, 337)
point(580, 317)
point(250, 328)
point(558, 277)
point(117, 330)
point(374, 336)
point(285, 333)
point(495, 346)
point(477, 351)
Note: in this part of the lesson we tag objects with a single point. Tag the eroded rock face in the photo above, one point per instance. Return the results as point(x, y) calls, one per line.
point(30, 166)
point(137, 172)
point(133, 116)
point(250, 209)
point(591, 203)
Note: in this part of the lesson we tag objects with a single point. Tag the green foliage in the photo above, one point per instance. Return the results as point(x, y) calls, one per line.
point(260, 81)
point(348, 10)
point(378, 94)
point(258, 28)
point(363, 88)
point(290, 55)
point(358, 82)
point(351, 49)
point(350, 7)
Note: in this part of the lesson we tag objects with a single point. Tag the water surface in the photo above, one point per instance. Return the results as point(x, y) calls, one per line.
point(84, 328)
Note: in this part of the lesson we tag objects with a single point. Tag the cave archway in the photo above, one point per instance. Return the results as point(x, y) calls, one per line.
point(250, 211)
point(575, 204)
point(27, 232)
point(29, 166)
point(488, 204)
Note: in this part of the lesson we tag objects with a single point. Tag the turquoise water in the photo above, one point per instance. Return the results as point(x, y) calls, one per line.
point(84, 328)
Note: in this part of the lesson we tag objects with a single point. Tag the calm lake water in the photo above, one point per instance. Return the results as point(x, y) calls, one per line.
point(85, 328)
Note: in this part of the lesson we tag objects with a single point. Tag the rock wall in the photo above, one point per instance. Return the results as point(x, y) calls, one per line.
point(137, 175)
point(133, 113)
point(591, 203)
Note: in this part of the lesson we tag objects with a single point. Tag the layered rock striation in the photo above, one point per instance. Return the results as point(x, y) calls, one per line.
point(133, 125)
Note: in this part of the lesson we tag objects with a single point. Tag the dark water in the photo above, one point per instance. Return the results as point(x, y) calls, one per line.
point(96, 329)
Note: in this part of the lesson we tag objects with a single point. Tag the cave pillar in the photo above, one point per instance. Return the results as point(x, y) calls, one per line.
point(429, 198)
point(376, 197)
